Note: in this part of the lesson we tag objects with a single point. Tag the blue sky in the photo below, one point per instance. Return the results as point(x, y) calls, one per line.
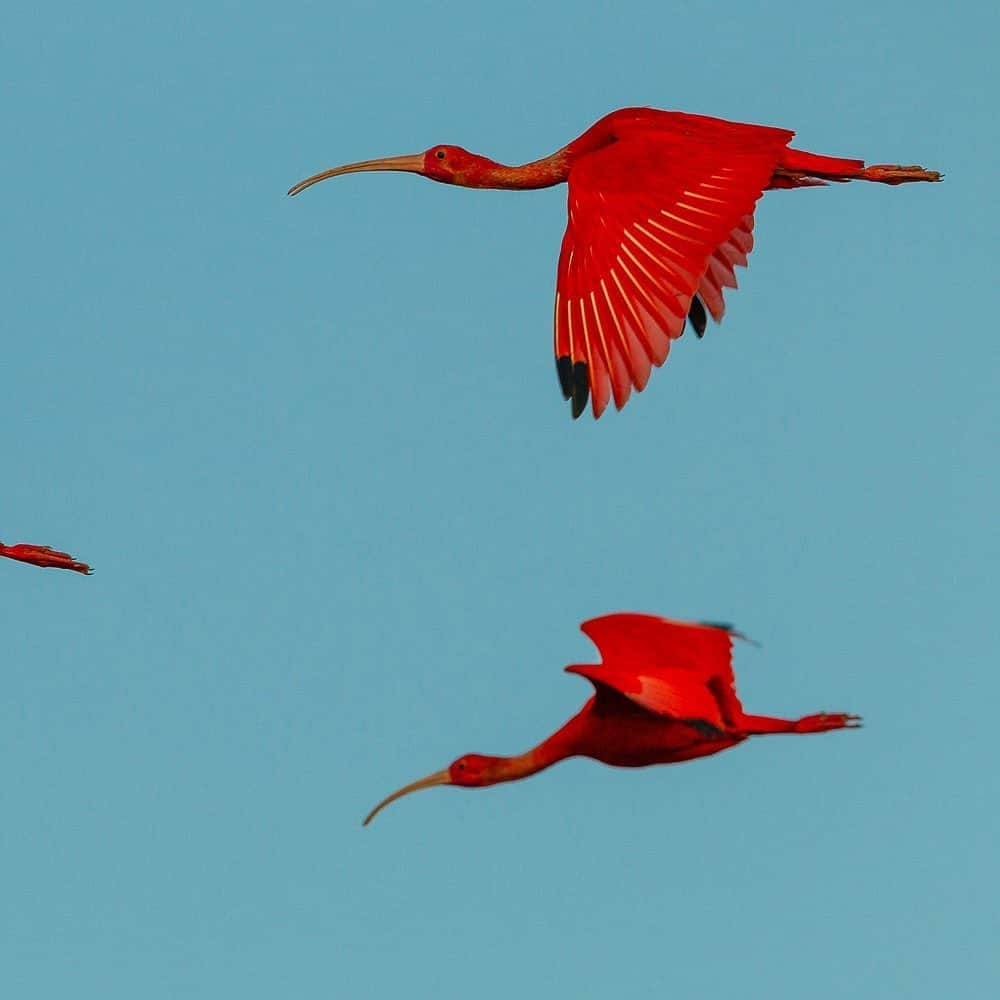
point(344, 529)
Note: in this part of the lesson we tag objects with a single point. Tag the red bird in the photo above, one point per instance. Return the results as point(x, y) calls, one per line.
point(42, 555)
point(661, 210)
point(665, 693)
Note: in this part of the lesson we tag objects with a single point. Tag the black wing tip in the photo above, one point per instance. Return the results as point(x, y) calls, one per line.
point(730, 628)
point(581, 388)
point(698, 317)
point(725, 626)
point(574, 382)
point(564, 369)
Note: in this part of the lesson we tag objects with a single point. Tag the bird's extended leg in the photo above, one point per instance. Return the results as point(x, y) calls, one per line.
point(890, 173)
point(822, 722)
point(801, 169)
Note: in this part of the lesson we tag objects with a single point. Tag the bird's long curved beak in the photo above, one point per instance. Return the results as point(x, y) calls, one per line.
point(438, 778)
point(412, 164)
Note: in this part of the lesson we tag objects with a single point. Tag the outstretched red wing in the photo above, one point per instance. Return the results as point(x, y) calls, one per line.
point(654, 219)
point(680, 669)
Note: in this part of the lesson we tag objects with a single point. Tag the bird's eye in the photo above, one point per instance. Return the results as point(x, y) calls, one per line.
point(440, 154)
point(461, 765)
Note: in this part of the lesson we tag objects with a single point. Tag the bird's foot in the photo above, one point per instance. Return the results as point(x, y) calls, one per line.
point(888, 173)
point(825, 721)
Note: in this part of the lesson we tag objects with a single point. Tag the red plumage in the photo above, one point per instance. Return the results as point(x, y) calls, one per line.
point(44, 556)
point(660, 211)
point(664, 693)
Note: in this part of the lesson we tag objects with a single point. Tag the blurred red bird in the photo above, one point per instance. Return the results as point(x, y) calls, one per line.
point(42, 555)
point(664, 693)
point(661, 210)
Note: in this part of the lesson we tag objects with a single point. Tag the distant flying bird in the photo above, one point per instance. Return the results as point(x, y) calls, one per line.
point(660, 213)
point(665, 693)
point(42, 555)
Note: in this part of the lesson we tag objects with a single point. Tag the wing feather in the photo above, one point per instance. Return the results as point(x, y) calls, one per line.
point(680, 669)
point(654, 220)
point(629, 348)
point(728, 255)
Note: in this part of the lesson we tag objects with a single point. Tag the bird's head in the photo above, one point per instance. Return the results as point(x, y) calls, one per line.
point(472, 770)
point(454, 165)
point(447, 164)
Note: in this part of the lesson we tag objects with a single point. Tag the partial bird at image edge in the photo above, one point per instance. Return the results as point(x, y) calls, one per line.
point(44, 556)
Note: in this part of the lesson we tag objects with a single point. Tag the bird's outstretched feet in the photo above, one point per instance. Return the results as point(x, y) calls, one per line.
point(823, 722)
point(889, 173)
point(45, 556)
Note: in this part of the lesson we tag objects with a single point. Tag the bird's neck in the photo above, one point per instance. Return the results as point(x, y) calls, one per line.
point(565, 742)
point(542, 173)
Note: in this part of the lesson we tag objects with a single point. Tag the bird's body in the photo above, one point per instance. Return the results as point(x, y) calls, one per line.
point(664, 693)
point(42, 555)
point(615, 731)
point(660, 210)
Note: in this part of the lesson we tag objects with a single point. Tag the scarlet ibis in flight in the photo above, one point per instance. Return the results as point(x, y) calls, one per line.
point(664, 693)
point(42, 555)
point(661, 210)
